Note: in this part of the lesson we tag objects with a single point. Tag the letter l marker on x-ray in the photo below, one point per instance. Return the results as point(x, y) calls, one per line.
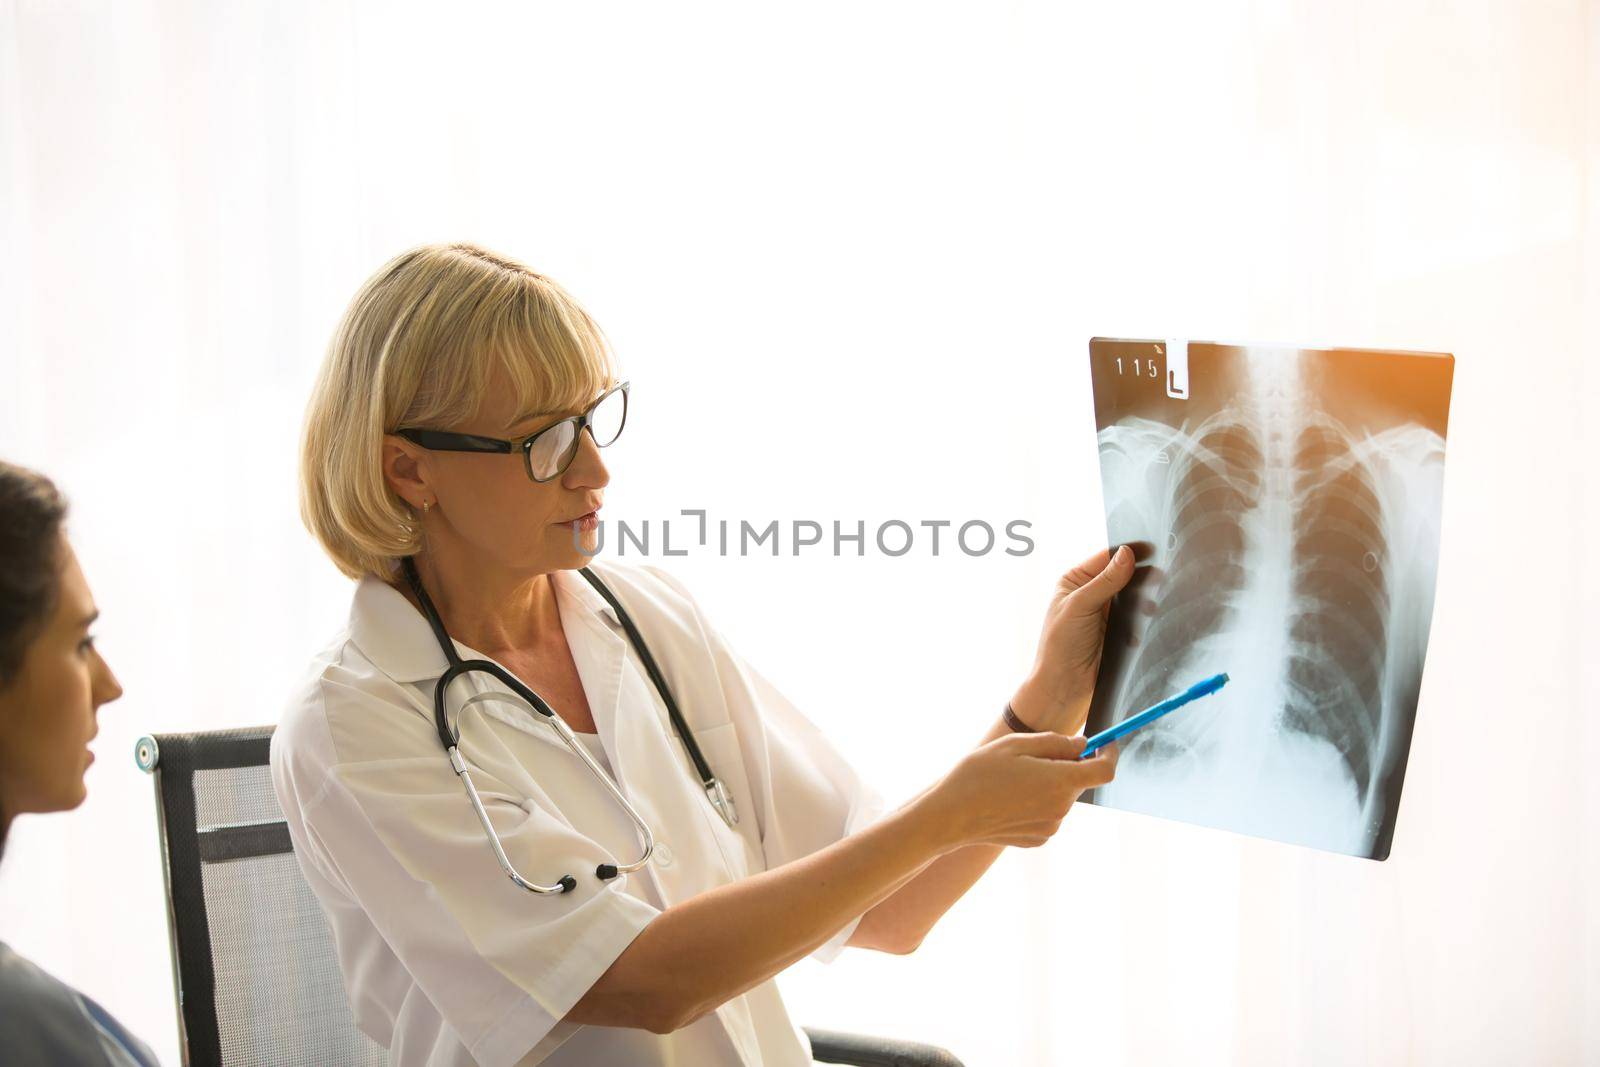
point(1178, 369)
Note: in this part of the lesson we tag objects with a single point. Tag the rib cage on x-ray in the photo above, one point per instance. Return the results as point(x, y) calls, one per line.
point(1288, 535)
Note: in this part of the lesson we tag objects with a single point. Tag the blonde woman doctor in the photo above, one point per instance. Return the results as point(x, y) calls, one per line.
point(446, 959)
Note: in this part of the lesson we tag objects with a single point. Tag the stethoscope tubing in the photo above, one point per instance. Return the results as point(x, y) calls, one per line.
point(450, 738)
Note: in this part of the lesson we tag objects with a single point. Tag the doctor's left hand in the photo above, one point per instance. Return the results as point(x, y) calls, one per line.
point(1057, 692)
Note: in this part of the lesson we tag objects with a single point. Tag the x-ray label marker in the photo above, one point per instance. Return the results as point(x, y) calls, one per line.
point(1178, 369)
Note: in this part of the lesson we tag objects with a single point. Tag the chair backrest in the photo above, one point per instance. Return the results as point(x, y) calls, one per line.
point(257, 977)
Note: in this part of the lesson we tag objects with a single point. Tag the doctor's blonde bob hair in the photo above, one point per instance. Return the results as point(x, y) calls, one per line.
point(419, 346)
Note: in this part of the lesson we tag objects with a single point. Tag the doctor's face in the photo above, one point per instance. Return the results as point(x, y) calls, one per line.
point(484, 505)
point(48, 710)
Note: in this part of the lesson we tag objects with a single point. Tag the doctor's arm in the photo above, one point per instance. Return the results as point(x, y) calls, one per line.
point(702, 952)
point(1055, 697)
point(900, 921)
point(1012, 790)
point(715, 946)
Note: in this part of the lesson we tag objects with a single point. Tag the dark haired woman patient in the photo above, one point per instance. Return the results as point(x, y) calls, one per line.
point(52, 682)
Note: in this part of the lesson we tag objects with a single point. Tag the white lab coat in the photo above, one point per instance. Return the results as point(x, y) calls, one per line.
point(446, 962)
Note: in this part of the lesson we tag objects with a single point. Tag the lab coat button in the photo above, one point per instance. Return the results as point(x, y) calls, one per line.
point(663, 854)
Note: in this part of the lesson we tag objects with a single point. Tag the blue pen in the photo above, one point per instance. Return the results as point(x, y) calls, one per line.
point(1154, 712)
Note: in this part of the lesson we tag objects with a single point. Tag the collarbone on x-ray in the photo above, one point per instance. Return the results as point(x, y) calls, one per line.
point(1284, 504)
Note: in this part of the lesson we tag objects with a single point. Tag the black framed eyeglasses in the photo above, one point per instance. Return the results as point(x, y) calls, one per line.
point(546, 453)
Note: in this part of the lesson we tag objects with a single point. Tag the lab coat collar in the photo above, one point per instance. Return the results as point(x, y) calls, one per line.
point(398, 640)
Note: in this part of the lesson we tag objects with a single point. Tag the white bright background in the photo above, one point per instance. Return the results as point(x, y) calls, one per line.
point(851, 255)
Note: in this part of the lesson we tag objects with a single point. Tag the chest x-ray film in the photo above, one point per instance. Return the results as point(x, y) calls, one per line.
point(1284, 508)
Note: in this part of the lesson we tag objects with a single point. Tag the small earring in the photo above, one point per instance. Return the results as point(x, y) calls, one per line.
point(426, 504)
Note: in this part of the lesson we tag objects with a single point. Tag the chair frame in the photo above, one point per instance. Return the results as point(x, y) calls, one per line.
point(172, 760)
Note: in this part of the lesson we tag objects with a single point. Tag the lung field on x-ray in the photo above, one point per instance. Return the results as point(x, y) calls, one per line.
point(1286, 514)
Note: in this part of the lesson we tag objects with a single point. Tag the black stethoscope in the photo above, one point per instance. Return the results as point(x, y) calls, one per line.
point(716, 792)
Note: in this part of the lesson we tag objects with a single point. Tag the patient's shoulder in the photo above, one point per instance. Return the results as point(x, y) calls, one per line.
point(44, 1020)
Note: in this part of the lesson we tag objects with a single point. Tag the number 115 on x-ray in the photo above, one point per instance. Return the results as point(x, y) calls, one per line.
point(1169, 362)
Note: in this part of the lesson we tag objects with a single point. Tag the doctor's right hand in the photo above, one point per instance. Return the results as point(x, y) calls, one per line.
point(1016, 790)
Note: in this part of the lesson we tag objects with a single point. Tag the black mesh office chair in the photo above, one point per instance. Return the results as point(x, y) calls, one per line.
point(257, 978)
